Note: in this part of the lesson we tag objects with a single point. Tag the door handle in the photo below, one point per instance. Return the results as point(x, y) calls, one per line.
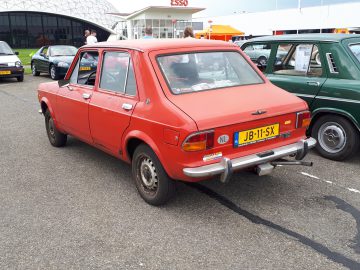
point(86, 96)
point(313, 83)
point(127, 106)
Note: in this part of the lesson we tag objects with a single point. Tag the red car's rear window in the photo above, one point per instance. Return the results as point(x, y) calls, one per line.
point(192, 72)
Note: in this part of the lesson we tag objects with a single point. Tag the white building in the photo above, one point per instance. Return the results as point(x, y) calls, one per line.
point(166, 22)
point(324, 18)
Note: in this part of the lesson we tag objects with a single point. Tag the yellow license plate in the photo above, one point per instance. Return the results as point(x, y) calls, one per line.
point(5, 72)
point(85, 68)
point(255, 135)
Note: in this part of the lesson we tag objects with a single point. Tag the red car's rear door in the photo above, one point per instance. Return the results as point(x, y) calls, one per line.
point(111, 106)
point(73, 100)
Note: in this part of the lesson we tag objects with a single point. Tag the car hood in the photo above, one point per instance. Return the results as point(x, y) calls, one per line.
point(58, 59)
point(223, 107)
point(9, 58)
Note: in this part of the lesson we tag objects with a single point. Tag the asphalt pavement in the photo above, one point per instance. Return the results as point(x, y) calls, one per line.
point(77, 208)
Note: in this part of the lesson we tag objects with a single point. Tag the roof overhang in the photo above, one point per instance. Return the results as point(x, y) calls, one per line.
point(179, 10)
point(67, 16)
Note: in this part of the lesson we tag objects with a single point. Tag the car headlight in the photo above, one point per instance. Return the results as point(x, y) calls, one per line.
point(63, 64)
point(18, 64)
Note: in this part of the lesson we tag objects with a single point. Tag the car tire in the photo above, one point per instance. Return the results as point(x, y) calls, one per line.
point(34, 70)
point(151, 180)
point(262, 61)
point(337, 139)
point(20, 78)
point(56, 138)
point(53, 73)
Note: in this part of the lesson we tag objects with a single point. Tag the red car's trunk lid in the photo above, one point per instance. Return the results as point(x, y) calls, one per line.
point(228, 106)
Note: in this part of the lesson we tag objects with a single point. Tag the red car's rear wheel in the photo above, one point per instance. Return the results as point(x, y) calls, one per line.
point(151, 180)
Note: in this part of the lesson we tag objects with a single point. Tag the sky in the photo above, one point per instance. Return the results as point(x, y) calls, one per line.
point(225, 7)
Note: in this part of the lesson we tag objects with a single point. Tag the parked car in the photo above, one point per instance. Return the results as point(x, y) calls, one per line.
point(54, 60)
point(260, 54)
point(10, 64)
point(240, 42)
point(176, 109)
point(324, 70)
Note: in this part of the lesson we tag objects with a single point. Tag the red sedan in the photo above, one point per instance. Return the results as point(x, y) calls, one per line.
point(176, 110)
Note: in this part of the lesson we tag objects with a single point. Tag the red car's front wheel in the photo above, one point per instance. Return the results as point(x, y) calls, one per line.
point(56, 138)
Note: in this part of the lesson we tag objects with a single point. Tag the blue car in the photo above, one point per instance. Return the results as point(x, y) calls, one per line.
point(54, 60)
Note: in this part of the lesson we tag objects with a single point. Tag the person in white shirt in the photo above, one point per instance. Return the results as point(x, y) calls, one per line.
point(87, 33)
point(90, 40)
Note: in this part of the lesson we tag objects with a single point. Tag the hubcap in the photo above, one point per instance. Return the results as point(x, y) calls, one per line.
point(262, 61)
point(332, 137)
point(52, 72)
point(51, 128)
point(34, 70)
point(148, 174)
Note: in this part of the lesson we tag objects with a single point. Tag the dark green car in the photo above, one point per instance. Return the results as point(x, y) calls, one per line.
point(324, 70)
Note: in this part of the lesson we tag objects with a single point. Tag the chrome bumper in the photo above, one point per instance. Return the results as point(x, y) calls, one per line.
point(226, 166)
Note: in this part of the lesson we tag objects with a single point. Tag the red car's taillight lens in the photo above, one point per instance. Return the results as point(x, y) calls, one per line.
point(199, 141)
point(303, 119)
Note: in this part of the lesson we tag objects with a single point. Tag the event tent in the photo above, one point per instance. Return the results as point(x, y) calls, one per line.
point(219, 32)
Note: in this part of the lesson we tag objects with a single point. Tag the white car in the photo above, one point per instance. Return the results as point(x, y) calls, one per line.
point(10, 64)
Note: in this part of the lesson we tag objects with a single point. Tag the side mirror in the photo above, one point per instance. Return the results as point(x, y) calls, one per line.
point(16, 53)
point(63, 83)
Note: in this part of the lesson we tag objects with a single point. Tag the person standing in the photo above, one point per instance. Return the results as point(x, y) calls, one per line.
point(91, 40)
point(148, 33)
point(87, 33)
point(188, 32)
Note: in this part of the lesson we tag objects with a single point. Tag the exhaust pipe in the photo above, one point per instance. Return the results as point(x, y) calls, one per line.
point(264, 169)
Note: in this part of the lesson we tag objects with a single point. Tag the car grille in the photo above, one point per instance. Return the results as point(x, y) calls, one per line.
point(4, 65)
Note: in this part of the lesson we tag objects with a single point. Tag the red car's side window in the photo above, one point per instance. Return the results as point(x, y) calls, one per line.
point(74, 74)
point(117, 73)
point(84, 72)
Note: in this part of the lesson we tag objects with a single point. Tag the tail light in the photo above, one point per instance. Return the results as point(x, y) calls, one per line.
point(303, 119)
point(199, 141)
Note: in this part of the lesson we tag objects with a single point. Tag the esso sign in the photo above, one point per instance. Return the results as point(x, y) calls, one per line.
point(180, 3)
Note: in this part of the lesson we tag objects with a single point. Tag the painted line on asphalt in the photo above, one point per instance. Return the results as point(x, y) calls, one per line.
point(309, 175)
point(354, 190)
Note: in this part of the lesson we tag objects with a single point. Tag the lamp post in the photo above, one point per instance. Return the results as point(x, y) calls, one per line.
point(174, 27)
point(210, 29)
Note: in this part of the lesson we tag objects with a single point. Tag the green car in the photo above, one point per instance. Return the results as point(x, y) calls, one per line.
point(324, 70)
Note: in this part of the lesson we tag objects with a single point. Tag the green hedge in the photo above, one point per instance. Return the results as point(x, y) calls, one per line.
point(25, 55)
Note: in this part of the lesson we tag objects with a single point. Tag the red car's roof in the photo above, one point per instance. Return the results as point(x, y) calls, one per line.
point(158, 44)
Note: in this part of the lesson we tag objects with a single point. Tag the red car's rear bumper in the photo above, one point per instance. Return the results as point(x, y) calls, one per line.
point(226, 166)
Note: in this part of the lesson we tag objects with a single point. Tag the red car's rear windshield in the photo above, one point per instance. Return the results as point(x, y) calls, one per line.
point(192, 72)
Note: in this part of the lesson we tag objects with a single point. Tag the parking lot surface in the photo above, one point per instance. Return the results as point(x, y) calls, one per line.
point(76, 207)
